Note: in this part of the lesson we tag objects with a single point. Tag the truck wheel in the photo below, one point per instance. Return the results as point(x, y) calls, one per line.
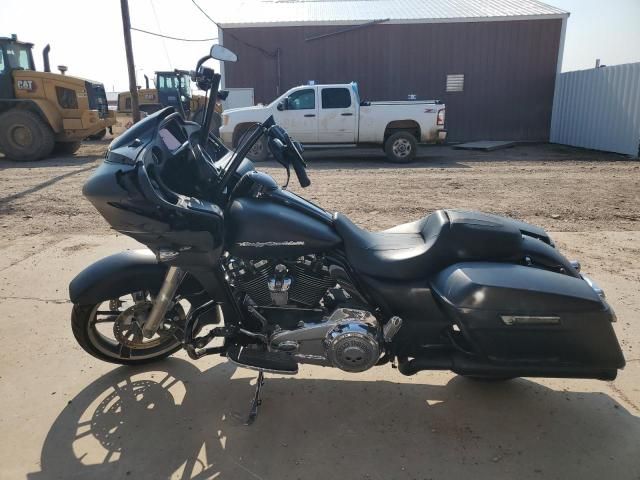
point(66, 148)
point(259, 152)
point(24, 136)
point(99, 135)
point(401, 147)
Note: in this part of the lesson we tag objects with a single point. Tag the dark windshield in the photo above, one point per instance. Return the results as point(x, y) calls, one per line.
point(19, 56)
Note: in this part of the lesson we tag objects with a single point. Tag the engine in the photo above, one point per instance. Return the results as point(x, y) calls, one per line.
point(309, 313)
point(301, 282)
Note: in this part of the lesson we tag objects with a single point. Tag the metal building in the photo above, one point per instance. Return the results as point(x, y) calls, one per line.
point(494, 62)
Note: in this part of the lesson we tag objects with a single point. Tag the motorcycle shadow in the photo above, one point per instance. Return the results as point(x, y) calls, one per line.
point(170, 420)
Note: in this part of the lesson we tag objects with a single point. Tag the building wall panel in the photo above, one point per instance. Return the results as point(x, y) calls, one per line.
point(509, 68)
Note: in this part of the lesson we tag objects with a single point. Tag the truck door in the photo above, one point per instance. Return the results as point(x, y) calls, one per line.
point(300, 115)
point(338, 121)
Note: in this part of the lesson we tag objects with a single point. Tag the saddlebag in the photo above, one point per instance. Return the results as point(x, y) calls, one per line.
point(518, 315)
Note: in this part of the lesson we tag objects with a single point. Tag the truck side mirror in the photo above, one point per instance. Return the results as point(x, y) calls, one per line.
point(283, 105)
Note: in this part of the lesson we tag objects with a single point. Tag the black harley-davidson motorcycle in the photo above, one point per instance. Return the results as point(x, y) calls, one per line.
point(275, 281)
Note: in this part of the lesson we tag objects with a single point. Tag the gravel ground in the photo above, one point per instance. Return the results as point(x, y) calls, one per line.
point(559, 188)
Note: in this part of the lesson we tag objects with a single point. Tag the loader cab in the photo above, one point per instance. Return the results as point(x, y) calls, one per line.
point(174, 89)
point(14, 55)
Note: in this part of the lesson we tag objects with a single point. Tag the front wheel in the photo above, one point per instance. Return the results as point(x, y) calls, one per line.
point(112, 330)
point(401, 147)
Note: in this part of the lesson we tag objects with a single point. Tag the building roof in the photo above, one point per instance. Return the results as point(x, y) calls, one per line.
point(275, 13)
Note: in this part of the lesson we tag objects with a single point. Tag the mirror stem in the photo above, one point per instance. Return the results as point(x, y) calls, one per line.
point(208, 115)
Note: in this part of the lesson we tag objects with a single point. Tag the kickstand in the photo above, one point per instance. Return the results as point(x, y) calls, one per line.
point(257, 400)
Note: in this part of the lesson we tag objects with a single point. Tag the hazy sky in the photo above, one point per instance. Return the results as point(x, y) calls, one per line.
point(86, 35)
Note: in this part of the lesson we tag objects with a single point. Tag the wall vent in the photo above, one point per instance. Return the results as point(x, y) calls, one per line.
point(455, 83)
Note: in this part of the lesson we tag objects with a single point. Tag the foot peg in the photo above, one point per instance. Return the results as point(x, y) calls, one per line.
point(263, 361)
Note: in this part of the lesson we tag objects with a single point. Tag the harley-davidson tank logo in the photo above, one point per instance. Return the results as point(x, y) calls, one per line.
point(289, 243)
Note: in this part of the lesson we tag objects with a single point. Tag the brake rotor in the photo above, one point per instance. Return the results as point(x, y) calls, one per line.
point(127, 329)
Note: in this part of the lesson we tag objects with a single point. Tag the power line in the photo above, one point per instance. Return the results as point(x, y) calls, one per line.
point(164, 44)
point(174, 38)
point(262, 50)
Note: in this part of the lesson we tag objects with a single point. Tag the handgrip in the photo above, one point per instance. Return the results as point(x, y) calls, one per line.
point(301, 173)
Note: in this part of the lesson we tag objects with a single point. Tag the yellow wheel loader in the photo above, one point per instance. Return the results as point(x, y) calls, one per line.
point(173, 88)
point(43, 112)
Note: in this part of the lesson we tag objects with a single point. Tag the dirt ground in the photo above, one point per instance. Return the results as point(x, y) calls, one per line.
point(559, 188)
point(66, 415)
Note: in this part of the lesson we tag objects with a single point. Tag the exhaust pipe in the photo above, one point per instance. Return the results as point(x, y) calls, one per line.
point(45, 58)
point(146, 81)
point(462, 364)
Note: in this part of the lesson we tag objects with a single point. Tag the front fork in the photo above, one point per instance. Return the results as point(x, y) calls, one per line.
point(163, 301)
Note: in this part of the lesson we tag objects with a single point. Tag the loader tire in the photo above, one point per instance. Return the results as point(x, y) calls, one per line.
point(98, 135)
point(24, 136)
point(66, 148)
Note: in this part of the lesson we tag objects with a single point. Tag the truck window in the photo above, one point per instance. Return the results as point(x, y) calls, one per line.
point(336, 98)
point(1, 61)
point(303, 100)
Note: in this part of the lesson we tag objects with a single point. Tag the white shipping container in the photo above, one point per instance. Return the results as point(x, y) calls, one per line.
point(598, 109)
point(238, 98)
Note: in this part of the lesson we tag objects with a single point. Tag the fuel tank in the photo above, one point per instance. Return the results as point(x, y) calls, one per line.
point(272, 227)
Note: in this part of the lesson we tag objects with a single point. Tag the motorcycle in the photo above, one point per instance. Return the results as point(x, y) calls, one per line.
point(275, 281)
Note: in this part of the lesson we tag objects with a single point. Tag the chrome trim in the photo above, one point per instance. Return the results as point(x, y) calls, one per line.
point(512, 320)
point(391, 328)
point(594, 286)
point(163, 300)
point(164, 255)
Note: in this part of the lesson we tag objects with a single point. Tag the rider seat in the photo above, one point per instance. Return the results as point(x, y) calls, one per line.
point(421, 248)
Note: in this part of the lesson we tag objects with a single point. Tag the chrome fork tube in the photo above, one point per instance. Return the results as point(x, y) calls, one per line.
point(163, 301)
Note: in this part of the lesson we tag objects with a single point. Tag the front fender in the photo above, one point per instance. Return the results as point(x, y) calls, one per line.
point(117, 275)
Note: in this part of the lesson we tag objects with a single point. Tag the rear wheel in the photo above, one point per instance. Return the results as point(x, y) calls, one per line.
point(66, 148)
point(24, 136)
point(112, 330)
point(401, 147)
point(259, 152)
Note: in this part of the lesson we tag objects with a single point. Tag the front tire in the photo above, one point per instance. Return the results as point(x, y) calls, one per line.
point(127, 347)
point(401, 147)
point(24, 136)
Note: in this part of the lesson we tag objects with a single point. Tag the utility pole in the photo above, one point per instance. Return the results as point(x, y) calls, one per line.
point(133, 88)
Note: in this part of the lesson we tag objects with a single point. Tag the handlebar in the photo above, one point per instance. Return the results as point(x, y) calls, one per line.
point(292, 152)
point(299, 168)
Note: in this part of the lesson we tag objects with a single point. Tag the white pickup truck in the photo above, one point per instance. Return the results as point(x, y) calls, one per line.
point(333, 115)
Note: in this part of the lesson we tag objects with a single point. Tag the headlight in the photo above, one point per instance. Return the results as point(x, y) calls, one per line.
point(225, 119)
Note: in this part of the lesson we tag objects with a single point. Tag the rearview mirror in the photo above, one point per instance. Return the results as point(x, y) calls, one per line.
point(283, 105)
point(223, 54)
